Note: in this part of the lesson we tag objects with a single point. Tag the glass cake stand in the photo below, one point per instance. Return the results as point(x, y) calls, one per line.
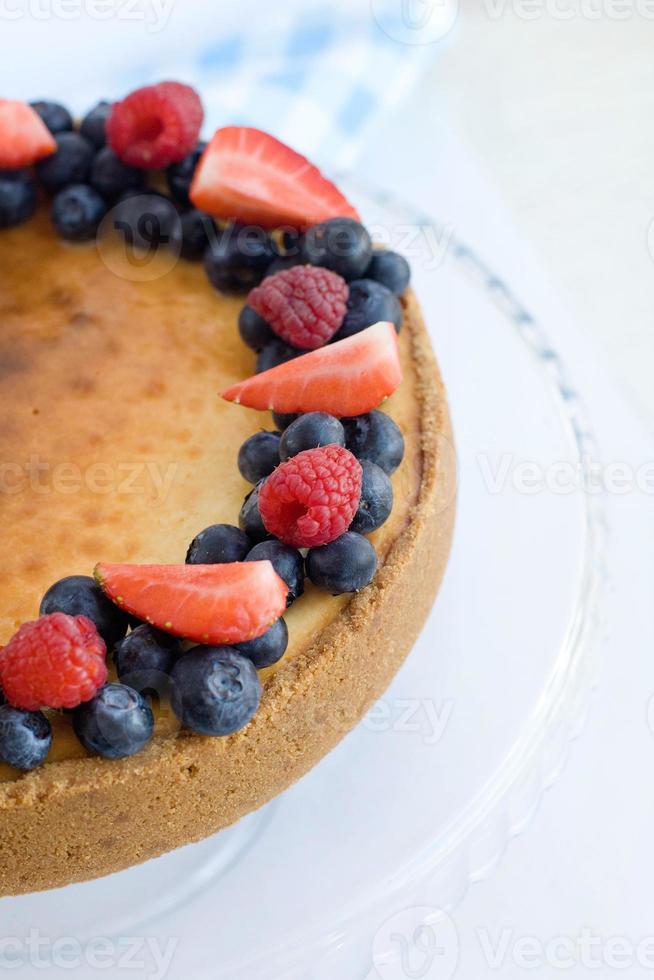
point(423, 796)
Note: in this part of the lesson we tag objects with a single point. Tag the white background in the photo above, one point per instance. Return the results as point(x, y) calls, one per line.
point(534, 136)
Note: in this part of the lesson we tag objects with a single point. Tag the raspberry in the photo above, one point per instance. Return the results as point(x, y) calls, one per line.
point(312, 498)
point(156, 125)
point(305, 305)
point(58, 661)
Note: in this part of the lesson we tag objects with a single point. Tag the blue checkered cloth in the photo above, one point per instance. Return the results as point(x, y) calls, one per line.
point(320, 79)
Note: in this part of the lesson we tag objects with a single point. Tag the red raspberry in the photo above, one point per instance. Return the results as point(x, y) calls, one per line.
point(304, 305)
point(156, 125)
point(58, 661)
point(312, 498)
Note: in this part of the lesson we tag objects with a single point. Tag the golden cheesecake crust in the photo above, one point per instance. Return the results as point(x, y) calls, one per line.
point(183, 787)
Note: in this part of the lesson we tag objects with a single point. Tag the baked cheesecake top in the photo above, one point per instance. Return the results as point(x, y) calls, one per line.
point(116, 449)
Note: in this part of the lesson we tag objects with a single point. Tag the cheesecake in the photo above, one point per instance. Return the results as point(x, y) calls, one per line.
point(116, 448)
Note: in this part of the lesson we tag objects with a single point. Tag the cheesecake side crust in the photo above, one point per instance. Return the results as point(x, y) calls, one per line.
point(99, 816)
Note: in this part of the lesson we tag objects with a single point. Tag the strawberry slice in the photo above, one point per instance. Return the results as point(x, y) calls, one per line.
point(205, 603)
point(24, 137)
point(249, 176)
point(347, 378)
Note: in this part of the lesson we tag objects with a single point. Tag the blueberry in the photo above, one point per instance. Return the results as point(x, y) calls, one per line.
point(340, 244)
point(310, 431)
point(144, 655)
point(368, 303)
point(283, 419)
point(116, 723)
point(282, 263)
point(80, 595)
point(77, 212)
point(179, 175)
point(258, 456)
point(345, 565)
point(69, 164)
point(191, 234)
point(375, 436)
point(287, 562)
point(25, 737)
point(268, 648)
point(17, 197)
point(215, 690)
point(250, 517)
point(238, 257)
point(376, 499)
point(253, 329)
point(110, 176)
point(390, 269)
point(145, 221)
point(274, 353)
point(56, 117)
point(94, 124)
point(218, 544)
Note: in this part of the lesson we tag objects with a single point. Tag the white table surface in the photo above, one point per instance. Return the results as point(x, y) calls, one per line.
point(537, 150)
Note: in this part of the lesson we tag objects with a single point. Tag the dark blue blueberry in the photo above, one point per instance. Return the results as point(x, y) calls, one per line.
point(340, 244)
point(80, 595)
point(238, 258)
point(274, 353)
point(218, 544)
point(56, 117)
point(268, 648)
point(145, 221)
point(145, 656)
point(17, 197)
point(250, 517)
point(258, 456)
point(345, 565)
point(390, 269)
point(375, 436)
point(287, 562)
point(69, 164)
point(376, 499)
point(253, 329)
point(116, 723)
point(191, 234)
point(77, 212)
point(368, 303)
point(94, 124)
point(111, 177)
point(25, 737)
point(215, 690)
point(283, 419)
point(310, 431)
point(180, 175)
point(282, 263)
